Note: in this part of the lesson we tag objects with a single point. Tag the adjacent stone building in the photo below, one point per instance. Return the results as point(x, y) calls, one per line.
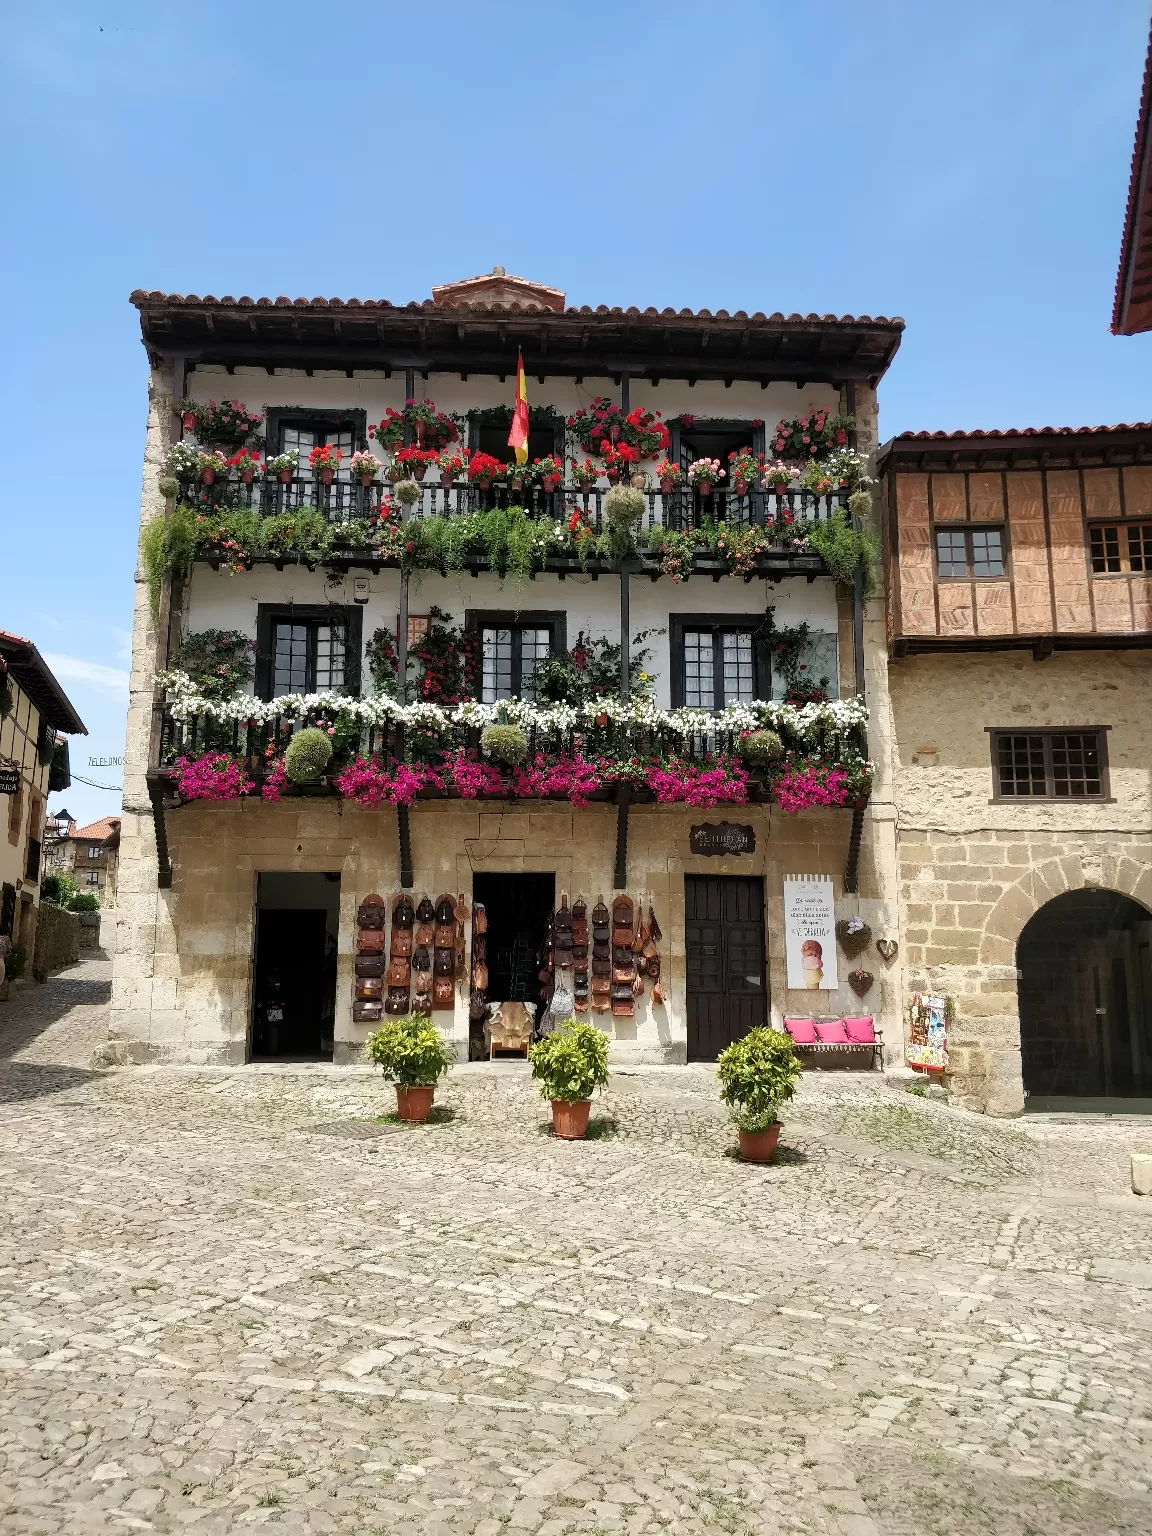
point(1019, 569)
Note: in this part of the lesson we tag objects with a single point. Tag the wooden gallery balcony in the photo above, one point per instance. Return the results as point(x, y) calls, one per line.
point(1038, 539)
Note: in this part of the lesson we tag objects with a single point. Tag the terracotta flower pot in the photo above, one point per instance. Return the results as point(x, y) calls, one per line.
point(704, 487)
point(189, 421)
point(613, 477)
point(740, 486)
point(414, 1103)
point(247, 476)
point(419, 471)
point(549, 483)
point(326, 476)
point(602, 720)
point(208, 476)
point(367, 479)
point(515, 485)
point(637, 480)
point(759, 1146)
point(484, 482)
point(570, 1121)
point(446, 479)
point(285, 476)
point(614, 434)
point(667, 485)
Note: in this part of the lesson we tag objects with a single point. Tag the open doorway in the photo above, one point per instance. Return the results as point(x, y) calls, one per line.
point(294, 970)
point(519, 909)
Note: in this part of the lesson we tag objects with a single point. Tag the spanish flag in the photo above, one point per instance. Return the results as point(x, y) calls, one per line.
point(518, 437)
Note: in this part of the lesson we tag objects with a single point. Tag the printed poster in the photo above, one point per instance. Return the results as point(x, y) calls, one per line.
point(810, 932)
point(928, 1035)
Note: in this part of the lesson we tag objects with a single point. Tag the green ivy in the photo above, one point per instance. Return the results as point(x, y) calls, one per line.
point(843, 548)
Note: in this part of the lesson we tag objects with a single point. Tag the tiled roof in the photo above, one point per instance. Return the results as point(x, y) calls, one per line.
point(140, 297)
point(907, 437)
point(27, 667)
point(97, 831)
point(1132, 305)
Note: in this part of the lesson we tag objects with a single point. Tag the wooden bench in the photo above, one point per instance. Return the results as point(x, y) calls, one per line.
point(826, 1055)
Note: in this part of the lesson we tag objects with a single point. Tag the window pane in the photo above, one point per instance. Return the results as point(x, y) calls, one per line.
point(290, 671)
point(303, 440)
point(736, 653)
point(951, 552)
point(330, 648)
point(535, 647)
point(1105, 548)
point(496, 678)
point(1076, 764)
point(1140, 547)
point(819, 660)
point(1020, 763)
point(987, 552)
point(699, 691)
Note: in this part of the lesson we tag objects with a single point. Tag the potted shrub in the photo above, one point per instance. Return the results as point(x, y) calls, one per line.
point(284, 465)
point(570, 1064)
point(365, 467)
point(414, 1055)
point(744, 469)
point(309, 753)
point(624, 504)
point(452, 465)
point(761, 748)
point(757, 1074)
point(669, 476)
point(704, 474)
point(407, 492)
point(324, 462)
point(504, 743)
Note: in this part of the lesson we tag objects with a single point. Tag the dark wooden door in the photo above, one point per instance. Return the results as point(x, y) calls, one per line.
point(724, 941)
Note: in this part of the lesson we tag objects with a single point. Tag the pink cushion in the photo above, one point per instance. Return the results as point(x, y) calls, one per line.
point(861, 1031)
point(803, 1031)
point(832, 1034)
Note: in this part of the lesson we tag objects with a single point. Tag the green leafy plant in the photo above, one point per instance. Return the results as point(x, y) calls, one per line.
point(763, 748)
point(219, 661)
point(15, 961)
point(304, 535)
point(58, 890)
point(505, 743)
point(309, 753)
point(383, 660)
point(84, 901)
point(843, 547)
point(411, 1051)
point(571, 1062)
point(757, 1074)
point(624, 504)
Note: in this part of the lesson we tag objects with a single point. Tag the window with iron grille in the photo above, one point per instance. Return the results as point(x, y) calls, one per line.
point(510, 652)
point(717, 660)
point(968, 552)
point(307, 649)
point(1050, 765)
point(1120, 547)
point(290, 427)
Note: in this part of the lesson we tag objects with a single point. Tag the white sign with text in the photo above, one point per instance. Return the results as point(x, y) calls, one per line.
point(810, 932)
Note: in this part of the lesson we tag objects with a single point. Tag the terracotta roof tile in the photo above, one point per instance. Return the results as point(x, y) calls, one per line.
point(97, 831)
point(908, 437)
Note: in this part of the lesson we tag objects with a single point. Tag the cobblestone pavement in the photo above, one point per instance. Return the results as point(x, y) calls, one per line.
point(236, 1297)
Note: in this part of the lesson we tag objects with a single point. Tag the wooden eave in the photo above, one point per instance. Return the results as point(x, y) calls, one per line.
point(592, 343)
point(1032, 450)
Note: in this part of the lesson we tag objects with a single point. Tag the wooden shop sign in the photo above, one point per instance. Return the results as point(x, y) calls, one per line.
point(9, 778)
point(728, 837)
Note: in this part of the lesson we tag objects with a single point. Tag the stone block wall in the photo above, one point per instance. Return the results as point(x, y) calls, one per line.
point(57, 940)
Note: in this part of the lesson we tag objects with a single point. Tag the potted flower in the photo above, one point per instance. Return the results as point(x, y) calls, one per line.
point(246, 465)
point(483, 469)
point(414, 1055)
point(548, 471)
point(669, 476)
point(189, 415)
point(816, 479)
point(226, 421)
point(584, 474)
point(519, 476)
point(757, 1074)
point(407, 492)
point(211, 465)
point(570, 1064)
point(324, 461)
point(704, 474)
point(365, 467)
point(778, 477)
point(284, 465)
point(183, 462)
point(416, 461)
point(452, 464)
point(743, 469)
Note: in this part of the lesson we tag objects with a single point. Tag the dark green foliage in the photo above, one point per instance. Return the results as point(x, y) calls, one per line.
point(309, 753)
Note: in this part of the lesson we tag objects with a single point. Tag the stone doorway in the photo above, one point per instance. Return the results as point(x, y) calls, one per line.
point(294, 966)
point(1085, 989)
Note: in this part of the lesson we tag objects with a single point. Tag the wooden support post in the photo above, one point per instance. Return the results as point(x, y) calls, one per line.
point(623, 800)
point(850, 407)
point(852, 868)
point(402, 823)
point(858, 628)
point(625, 628)
point(624, 405)
point(163, 858)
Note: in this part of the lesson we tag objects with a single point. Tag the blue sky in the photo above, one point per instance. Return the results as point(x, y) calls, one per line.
point(964, 167)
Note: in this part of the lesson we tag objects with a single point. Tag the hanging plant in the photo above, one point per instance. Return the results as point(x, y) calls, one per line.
point(309, 753)
point(5, 697)
point(383, 660)
point(429, 428)
point(506, 744)
point(763, 748)
point(624, 504)
point(219, 661)
point(854, 935)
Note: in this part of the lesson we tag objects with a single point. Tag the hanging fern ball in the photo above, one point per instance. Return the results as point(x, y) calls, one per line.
point(624, 504)
point(309, 753)
point(505, 743)
point(762, 748)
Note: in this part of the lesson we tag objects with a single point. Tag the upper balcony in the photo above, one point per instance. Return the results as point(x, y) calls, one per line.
point(1038, 539)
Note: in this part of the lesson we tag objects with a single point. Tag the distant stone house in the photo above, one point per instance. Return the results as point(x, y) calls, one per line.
point(91, 856)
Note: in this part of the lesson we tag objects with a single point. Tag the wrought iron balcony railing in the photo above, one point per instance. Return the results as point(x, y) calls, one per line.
point(343, 500)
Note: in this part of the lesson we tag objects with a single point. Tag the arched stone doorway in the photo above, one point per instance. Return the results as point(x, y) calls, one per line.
point(1085, 991)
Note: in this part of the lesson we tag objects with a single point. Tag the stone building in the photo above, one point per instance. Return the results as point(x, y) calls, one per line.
point(1019, 569)
point(90, 854)
point(229, 905)
point(33, 762)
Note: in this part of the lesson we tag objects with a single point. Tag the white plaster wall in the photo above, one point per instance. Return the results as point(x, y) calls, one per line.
point(223, 600)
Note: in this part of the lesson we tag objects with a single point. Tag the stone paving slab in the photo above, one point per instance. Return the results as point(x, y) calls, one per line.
point(232, 1298)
